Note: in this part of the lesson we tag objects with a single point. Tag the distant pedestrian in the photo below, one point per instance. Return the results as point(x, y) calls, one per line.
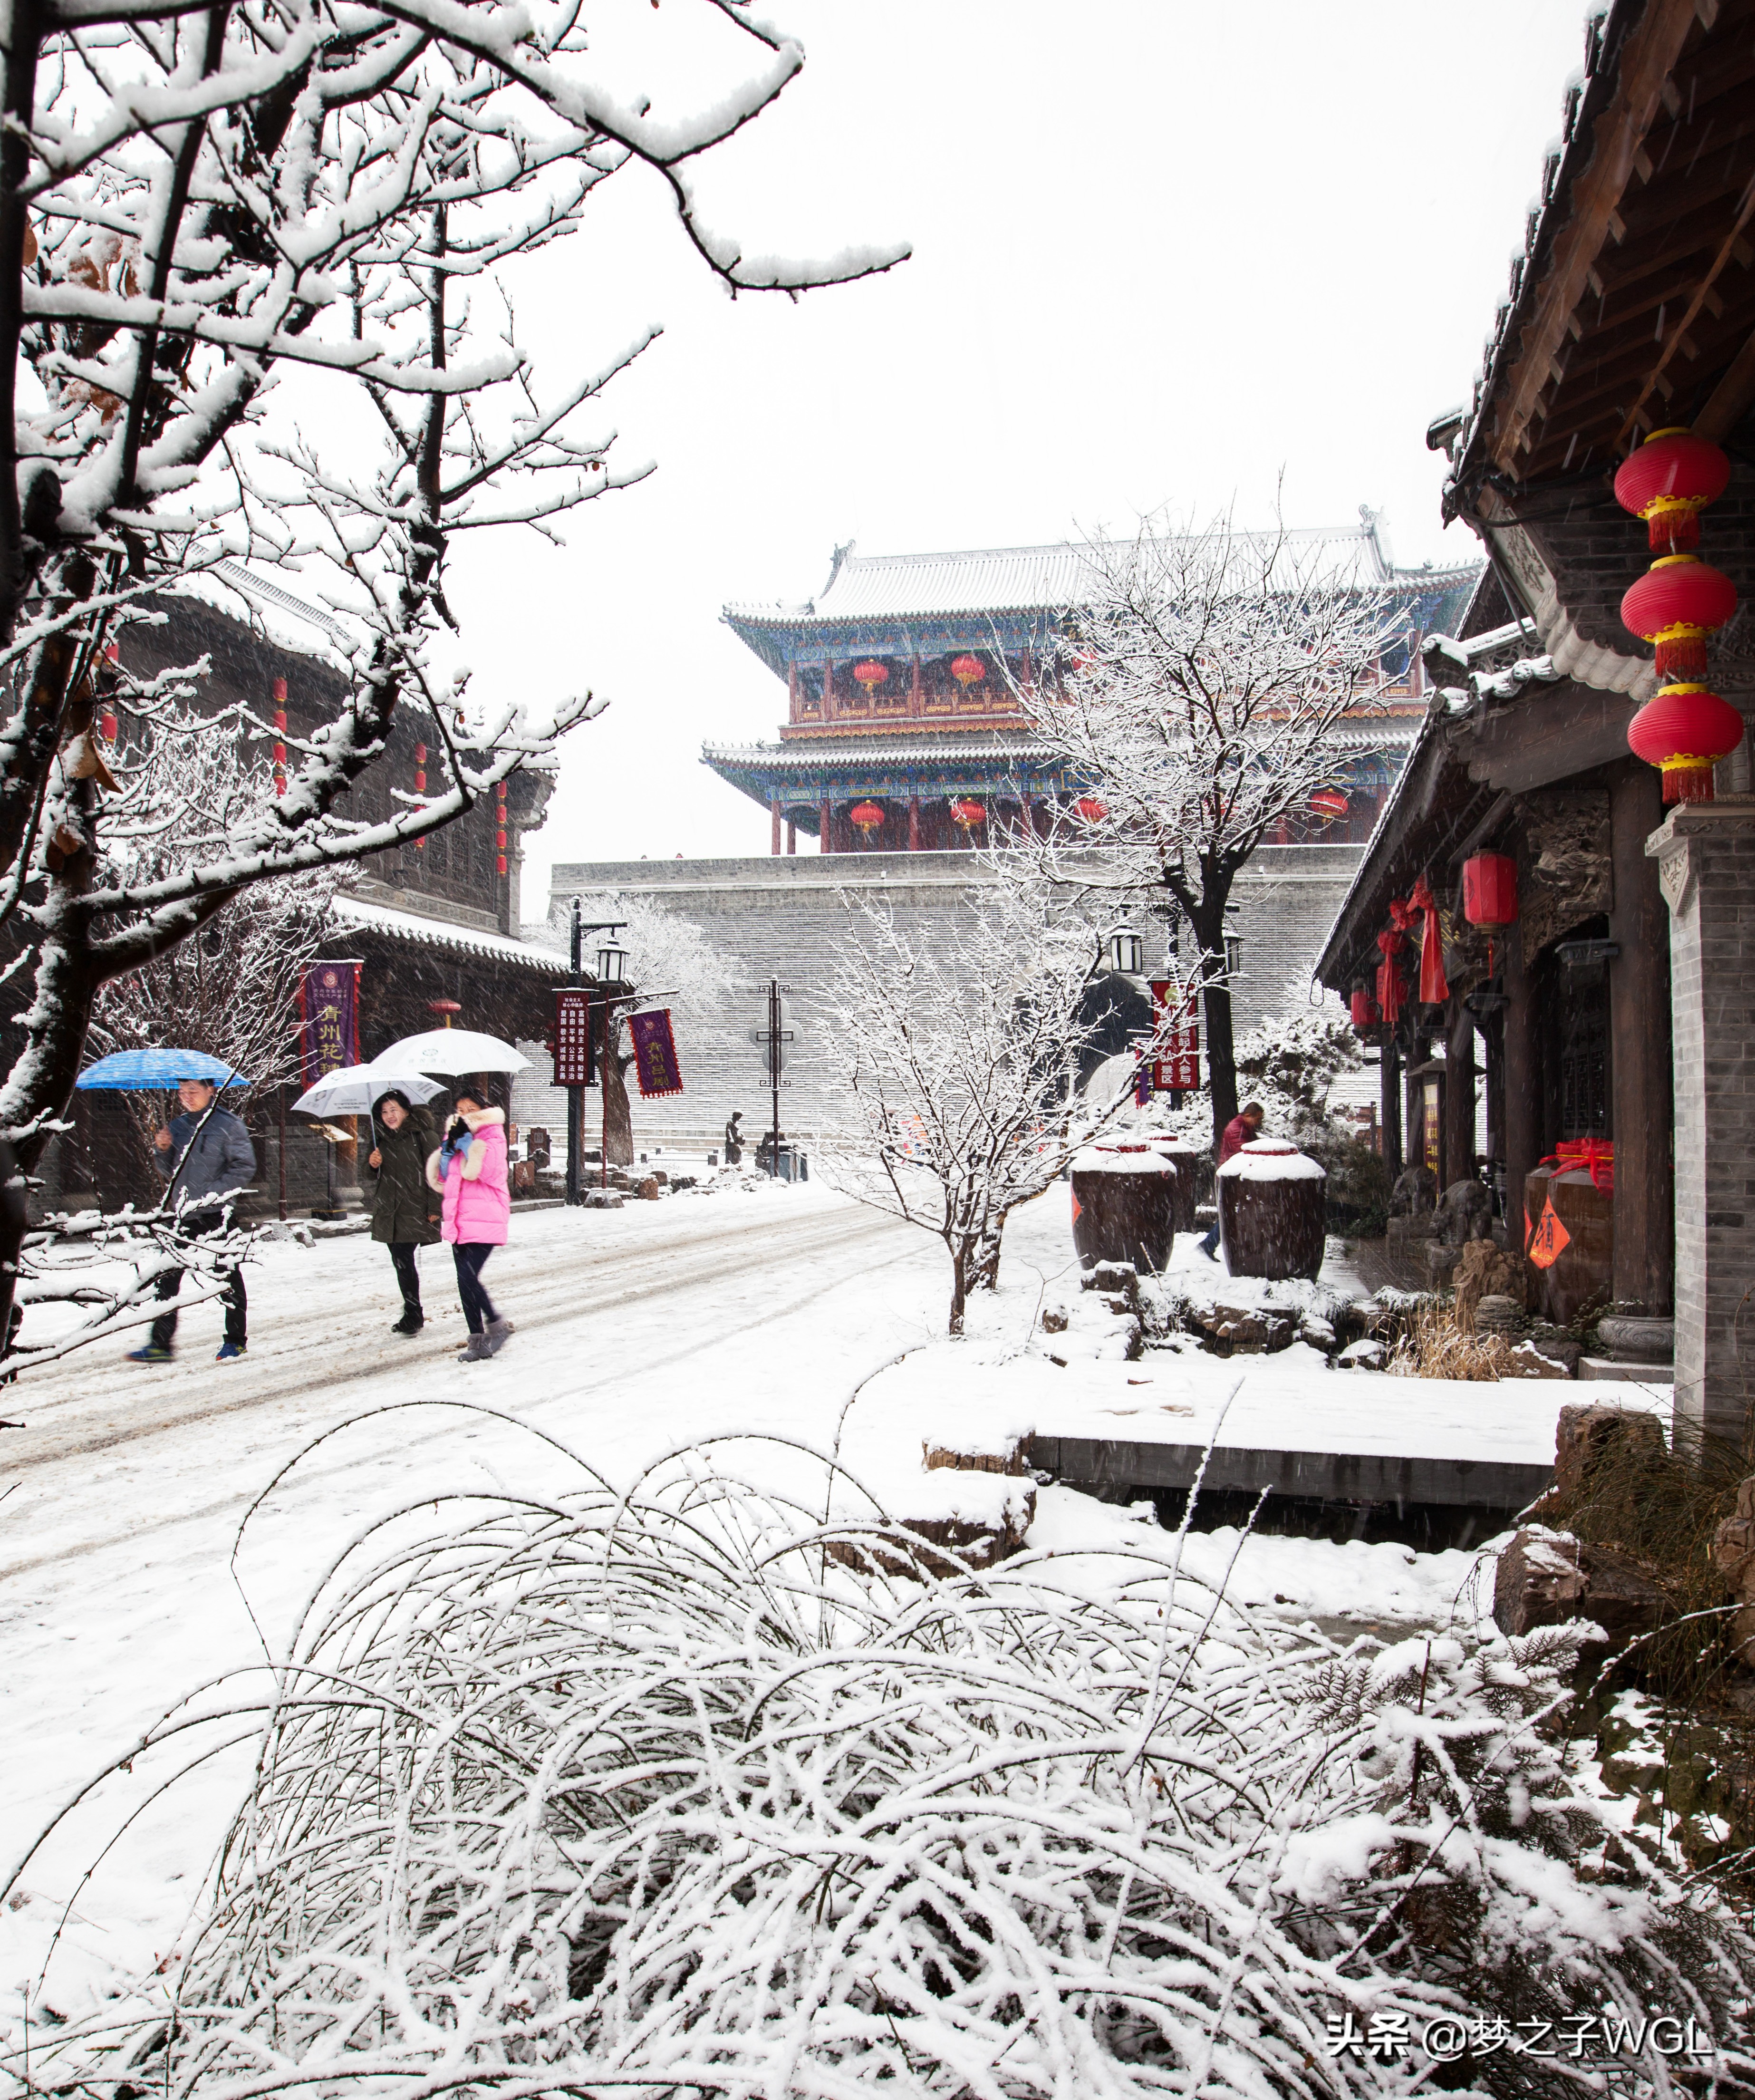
point(469, 1170)
point(207, 1158)
point(1243, 1126)
point(405, 1212)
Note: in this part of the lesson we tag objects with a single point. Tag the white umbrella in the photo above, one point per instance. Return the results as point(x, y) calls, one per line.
point(451, 1050)
point(352, 1089)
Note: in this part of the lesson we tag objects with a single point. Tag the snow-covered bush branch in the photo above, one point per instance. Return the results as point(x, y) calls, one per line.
point(1202, 687)
point(954, 1059)
point(234, 242)
point(651, 1791)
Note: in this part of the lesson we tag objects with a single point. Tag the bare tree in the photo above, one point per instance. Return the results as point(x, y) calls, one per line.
point(234, 241)
point(957, 1060)
point(1203, 681)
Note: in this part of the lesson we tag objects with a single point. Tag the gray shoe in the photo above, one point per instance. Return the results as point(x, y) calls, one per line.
point(499, 1332)
point(477, 1350)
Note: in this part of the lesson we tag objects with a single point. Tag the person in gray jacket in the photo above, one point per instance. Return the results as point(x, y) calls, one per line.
point(206, 1159)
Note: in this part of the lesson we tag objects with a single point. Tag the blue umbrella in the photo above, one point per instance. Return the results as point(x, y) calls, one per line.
point(141, 1071)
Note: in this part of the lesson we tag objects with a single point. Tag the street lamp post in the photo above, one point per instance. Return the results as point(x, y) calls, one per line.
point(611, 955)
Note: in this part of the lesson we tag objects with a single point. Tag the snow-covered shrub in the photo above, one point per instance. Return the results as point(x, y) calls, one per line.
point(650, 1792)
point(1297, 1058)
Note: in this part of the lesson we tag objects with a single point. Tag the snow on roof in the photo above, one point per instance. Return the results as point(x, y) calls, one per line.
point(447, 934)
point(1046, 578)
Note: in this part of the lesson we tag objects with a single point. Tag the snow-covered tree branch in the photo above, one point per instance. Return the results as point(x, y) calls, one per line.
point(1207, 672)
point(956, 1063)
point(235, 240)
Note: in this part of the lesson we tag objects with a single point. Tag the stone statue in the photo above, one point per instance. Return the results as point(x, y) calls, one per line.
point(735, 1140)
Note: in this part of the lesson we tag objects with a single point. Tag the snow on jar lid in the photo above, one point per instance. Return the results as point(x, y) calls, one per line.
point(1122, 1159)
point(1270, 1159)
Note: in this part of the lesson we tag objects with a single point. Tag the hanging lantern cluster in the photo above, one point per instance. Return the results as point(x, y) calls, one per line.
point(420, 785)
point(1686, 728)
point(870, 675)
point(967, 671)
point(967, 815)
point(500, 828)
point(279, 736)
point(867, 817)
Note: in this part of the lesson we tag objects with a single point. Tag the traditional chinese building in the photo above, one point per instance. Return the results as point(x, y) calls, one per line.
point(905, 729)
point(1603, 978)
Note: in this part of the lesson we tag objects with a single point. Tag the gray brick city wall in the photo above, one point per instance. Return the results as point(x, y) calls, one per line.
point(1706, 857)
point(781, 916)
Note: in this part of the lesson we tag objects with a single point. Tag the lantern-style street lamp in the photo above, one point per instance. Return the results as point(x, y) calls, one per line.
point(612, 962)
point(1127, 952)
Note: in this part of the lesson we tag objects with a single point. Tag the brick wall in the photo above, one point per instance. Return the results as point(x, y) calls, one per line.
point(781, 917)
point(1706, 860)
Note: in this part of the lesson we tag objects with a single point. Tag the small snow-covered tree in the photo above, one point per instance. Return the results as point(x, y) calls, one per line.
point(672, 957)
point(255, 306)
point(1205, 676)
point(954, 1058)
point(234, 990)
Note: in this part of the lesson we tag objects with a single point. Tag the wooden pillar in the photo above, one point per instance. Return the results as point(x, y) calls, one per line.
point(1523, 1105)
point(828, 692)
point(824, 816)
point(914, 800)
point(916, 694)
point(791, 836)
point(1640, 1118)
point(1459, 1094)
point(773, 823)
point(1389, 1103)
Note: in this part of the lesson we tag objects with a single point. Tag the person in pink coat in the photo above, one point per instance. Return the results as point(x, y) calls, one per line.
point(469, 1171)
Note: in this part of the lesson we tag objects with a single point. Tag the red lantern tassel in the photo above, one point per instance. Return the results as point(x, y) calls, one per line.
point(1682, 657)
point(1688, 780)
point(1674, 530)
point(1434, 990)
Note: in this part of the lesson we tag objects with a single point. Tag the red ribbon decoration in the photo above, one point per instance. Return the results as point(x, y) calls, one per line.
point(1390, 985)
point(1594, 1156)
point(1434, 990)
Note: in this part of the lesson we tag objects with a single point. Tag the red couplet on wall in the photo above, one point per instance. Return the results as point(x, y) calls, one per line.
point(1489, 889)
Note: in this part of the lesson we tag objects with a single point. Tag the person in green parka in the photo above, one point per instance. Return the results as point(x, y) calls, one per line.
point(405, 1212)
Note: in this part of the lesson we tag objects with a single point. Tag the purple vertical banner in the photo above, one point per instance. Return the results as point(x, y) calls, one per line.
point(654, 1053)
point(329, 1004)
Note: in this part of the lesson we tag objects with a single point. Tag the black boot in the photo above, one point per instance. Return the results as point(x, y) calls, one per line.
point(411, 1321)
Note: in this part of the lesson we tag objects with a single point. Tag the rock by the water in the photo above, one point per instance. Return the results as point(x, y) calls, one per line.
point(1485, 1271)
point(1587, 1435)
point(1545, 1577)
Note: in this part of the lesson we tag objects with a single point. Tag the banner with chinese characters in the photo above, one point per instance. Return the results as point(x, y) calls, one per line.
point(573, 1064)
point(1178, 1066)
point(328, 1008)
point(654, 1053)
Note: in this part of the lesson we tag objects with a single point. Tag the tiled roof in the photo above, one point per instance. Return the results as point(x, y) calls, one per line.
point(414, 927)
point(824, 751)
point(1045, 579)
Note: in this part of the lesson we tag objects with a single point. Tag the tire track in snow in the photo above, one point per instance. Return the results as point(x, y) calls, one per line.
point(459, 1425)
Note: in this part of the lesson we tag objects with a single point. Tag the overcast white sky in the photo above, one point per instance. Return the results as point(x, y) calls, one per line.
point(1162, 252)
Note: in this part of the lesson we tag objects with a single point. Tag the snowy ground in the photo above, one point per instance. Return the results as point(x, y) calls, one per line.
point(758, 1313)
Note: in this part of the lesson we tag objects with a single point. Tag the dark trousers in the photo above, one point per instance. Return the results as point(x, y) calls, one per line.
point(1209, 1244)
point(478, 1307)
point(196, 1224)
point(407, 1276)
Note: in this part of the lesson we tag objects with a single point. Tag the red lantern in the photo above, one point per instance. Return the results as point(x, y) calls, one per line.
point(420, 785)
point(1489, 889)
point(1676, 603)
point(868, 816)
point(968, 814)
point(499, 824)
point(871, 675)
point(1328, 802)
point(1669, 481)
point(1363, 1008)
point(1089, 810)
point(279, 736)
point(967, 671)
point(1685, 729)
point(1434, 990)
